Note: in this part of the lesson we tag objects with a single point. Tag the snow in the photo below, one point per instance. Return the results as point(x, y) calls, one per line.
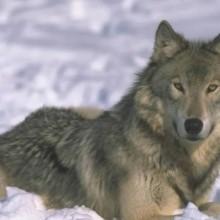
point(21, 205)
point(80, 53)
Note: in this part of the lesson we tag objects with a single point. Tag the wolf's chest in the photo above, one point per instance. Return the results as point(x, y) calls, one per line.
point(193, 184)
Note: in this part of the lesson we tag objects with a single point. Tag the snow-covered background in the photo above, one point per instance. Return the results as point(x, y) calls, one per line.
point(84, 52)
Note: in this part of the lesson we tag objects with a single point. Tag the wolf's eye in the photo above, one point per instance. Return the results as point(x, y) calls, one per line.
point(212, 88)
point(179, 86)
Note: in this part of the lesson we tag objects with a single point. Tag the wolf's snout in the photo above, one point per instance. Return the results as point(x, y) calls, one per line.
point(193, 126)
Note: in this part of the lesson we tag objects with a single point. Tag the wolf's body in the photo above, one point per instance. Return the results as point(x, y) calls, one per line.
point(152, 153)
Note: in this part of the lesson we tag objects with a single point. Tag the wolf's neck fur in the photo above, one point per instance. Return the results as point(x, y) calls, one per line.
point(139, 132)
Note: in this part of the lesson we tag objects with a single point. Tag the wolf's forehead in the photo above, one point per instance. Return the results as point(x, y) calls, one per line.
point(198, 71)
point(200, 66)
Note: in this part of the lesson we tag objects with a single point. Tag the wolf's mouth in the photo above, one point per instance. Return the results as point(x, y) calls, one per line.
point(194, 138)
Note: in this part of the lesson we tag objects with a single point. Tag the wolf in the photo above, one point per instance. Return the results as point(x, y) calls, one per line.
point(153, 152)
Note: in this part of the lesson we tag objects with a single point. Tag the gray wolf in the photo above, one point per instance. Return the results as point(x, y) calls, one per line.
point(150, 154)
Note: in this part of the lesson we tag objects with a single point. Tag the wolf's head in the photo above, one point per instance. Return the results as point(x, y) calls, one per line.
point(182, 85)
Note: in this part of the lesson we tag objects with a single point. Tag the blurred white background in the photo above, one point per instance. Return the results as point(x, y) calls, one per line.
point(84, 52)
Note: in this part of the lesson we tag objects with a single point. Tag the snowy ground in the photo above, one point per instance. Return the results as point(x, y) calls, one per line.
point(84, 52)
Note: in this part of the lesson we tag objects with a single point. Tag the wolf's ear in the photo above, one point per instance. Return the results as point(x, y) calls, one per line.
point(167, 42)
point(215, 45)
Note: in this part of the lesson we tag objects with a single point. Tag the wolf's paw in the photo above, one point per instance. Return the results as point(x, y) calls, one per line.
point(191, 212)
point(211, 209)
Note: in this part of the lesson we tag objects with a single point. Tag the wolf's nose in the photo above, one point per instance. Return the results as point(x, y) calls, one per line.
point(193, 126)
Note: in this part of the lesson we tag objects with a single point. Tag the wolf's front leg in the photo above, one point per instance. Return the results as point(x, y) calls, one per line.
point(145, 214)
point(212, 209)
point(136, 205)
